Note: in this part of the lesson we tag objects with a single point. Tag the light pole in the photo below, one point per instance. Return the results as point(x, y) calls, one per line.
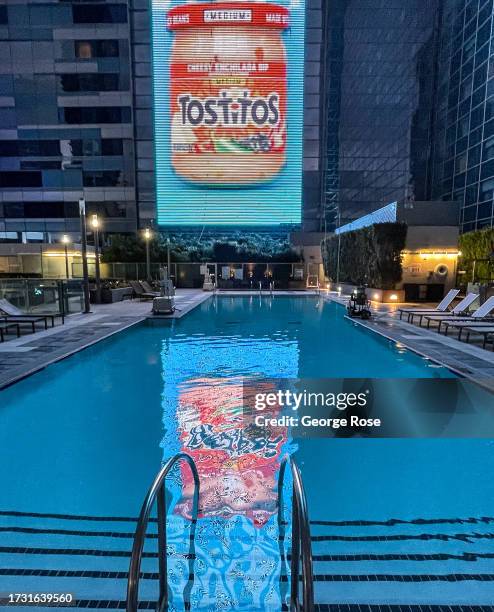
point(65, 241)
point(95, 226)
point(147, 237)
point(85, 272)
point(168, 264)
point(339, 250)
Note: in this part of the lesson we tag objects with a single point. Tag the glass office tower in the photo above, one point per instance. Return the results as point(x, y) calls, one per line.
point(71, 107)
point(463, 143)
point(379, 83)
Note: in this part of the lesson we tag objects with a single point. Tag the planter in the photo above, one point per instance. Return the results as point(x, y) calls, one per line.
point(386, 296)
point(382, 296)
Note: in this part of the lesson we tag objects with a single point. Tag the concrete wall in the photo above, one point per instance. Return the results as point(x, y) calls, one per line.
point(428, 213)
point(432, 238)
point(430, 250)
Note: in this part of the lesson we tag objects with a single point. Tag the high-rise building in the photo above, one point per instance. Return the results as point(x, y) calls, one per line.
point(378, 83)
point(75, 114)
point(463, 143)
point(398, 105)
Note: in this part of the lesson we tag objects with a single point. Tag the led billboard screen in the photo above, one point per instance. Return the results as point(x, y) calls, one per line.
point(228, 112)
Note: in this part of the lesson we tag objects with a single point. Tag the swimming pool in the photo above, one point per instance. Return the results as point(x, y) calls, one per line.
point(393, 521)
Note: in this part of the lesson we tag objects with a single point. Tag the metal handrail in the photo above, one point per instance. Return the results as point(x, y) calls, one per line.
point(301, 540)
point(156, 491)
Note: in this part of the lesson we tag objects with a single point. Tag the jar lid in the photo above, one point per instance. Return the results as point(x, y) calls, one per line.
point(215, 14)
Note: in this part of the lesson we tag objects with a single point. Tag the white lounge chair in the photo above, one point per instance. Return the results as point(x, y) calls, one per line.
point(443, 306)
point(478, 319)
point(459, 310)
point(11, 314)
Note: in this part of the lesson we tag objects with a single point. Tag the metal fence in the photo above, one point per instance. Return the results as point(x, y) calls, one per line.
point(226, 275)
point(43, 294)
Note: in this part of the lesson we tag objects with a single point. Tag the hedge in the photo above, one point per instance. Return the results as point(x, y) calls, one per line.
point(202, 247)
point(477, 245)
point(370, 256)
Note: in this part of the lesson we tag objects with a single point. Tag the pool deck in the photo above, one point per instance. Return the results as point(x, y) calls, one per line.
point(23, 356)
point(468, 360)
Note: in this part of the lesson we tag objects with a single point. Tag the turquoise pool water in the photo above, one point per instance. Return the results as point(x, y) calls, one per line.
point(84, 438)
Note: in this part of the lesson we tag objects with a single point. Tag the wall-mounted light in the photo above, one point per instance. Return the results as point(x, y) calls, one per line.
point(393, 297)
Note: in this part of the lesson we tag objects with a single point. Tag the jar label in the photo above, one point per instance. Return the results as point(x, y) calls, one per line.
point(228, 108)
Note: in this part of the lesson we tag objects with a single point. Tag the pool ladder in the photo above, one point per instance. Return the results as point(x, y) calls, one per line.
point(301, 550)
point(301, 541)
point(157, 493)
point(271, 287)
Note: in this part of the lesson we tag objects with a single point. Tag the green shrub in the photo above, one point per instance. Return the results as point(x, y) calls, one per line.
point(477, 245)
point(371, 255)
point(202, 247)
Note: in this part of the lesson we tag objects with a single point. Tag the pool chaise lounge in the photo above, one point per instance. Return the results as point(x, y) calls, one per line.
point(147, 288)
point(484, 330)
point(443, 306)
point(459, 310)
point(11, 314)
point(5, 327)
point(477, 319)
point(140, 293)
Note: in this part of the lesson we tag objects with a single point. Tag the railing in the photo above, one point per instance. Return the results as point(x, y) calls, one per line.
point(227, 275)
point(301, 541)
point(43, 294)
point(157, 492)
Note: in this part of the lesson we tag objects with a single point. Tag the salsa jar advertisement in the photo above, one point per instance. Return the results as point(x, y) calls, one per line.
point(228, 112)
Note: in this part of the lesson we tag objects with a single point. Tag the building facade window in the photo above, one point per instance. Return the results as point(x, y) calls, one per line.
point(76, 82)
point(99, 13)
point(20, 179)
point(96, 114)
point(103, 178)
point(89, 49)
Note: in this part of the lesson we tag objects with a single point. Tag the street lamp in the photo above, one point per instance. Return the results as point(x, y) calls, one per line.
point(65, 241)
point(147, 237)
point(339, 249)
point(168, 264)
point(95, 225)
point(85, 272)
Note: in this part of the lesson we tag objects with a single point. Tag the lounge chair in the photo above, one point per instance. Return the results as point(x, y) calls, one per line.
point(483, 330)
point(459, 310)
point(478, 319)
point(4, 328)
point(12, 314)
point(443, 306)
point(148, 289)
point(140, 293)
